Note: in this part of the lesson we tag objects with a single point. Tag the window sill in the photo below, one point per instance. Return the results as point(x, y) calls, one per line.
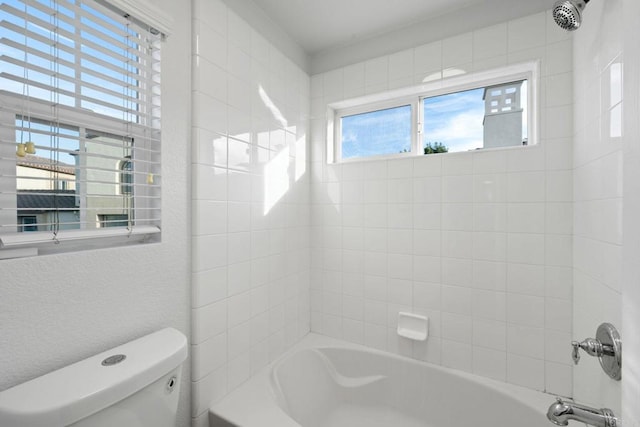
point(26, 244)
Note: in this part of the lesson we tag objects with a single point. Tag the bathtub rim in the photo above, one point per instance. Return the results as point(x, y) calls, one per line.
point(258, 393)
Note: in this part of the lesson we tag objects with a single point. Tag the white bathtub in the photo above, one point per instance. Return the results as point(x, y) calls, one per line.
point(324, 382)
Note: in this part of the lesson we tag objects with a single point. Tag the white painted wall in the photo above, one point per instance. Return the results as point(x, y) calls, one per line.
point(58, 309)
point(250, 191)
point(598, 191)
point(479, 241)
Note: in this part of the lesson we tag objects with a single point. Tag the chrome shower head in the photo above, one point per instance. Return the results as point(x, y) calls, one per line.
point(568, 13)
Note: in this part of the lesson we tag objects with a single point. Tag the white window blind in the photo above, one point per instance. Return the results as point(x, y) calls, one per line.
point(79, 122)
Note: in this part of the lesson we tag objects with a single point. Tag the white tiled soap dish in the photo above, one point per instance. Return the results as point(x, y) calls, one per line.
point(413, 326)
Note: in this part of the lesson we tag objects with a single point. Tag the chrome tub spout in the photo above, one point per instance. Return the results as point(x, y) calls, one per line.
point(561, 412)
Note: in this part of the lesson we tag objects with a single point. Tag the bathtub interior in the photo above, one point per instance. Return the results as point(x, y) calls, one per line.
point(336, 387)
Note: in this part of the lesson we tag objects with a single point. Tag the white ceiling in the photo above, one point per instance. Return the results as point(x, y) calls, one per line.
point(319, 25)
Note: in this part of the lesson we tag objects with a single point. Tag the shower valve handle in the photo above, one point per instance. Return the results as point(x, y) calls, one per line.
point(575, 353)
point(606, 346)
point(591, 346)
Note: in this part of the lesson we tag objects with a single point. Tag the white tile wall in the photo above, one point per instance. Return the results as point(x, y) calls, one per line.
point(598, 196)
point(479, 242)
point(630, 276)
point(250, 190)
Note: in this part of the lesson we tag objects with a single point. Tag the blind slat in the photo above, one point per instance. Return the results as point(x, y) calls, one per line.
point(139, 65)
point(105, 24)
point(31, 35)
point(98, 8)
point(141, 174)
point(30, 82)
point(117, 126)
point(35, 52)
point(139, 51)
point(30, 66)
point(114, 196)
point(69, 79)
point(37, 21)
point(138, 148)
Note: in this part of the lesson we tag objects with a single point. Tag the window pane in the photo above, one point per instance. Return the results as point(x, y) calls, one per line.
point(376, 133)
point(495, 116)
point(73, 178)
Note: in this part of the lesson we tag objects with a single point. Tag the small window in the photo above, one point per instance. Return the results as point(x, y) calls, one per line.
point(117, 220)
point(28, 223)
point(473, 112)
point(126, 176)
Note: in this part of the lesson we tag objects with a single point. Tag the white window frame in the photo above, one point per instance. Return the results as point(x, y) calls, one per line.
point(415, 95)
point(146, 15)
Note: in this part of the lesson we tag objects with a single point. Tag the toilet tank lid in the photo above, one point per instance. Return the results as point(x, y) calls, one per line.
point(76, 391)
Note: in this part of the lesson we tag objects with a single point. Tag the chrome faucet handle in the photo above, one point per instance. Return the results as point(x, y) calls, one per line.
point(575, 355)
point(591, 346)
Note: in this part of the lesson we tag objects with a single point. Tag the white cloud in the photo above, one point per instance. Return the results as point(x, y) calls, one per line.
point(459, 132)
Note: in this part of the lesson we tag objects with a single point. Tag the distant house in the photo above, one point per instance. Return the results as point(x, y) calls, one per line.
point(40, 173)
point(36, 209)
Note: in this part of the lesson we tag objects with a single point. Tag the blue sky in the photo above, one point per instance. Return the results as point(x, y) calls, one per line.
point(42, 140)
point(379, 132)
point(455, 120)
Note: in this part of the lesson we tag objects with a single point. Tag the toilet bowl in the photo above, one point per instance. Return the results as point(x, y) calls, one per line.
point(136, 384)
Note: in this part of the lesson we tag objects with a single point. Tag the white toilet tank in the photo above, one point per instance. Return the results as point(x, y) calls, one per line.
point(134, 385)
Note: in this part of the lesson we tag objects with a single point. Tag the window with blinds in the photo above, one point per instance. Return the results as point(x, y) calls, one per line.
point(79, 124)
